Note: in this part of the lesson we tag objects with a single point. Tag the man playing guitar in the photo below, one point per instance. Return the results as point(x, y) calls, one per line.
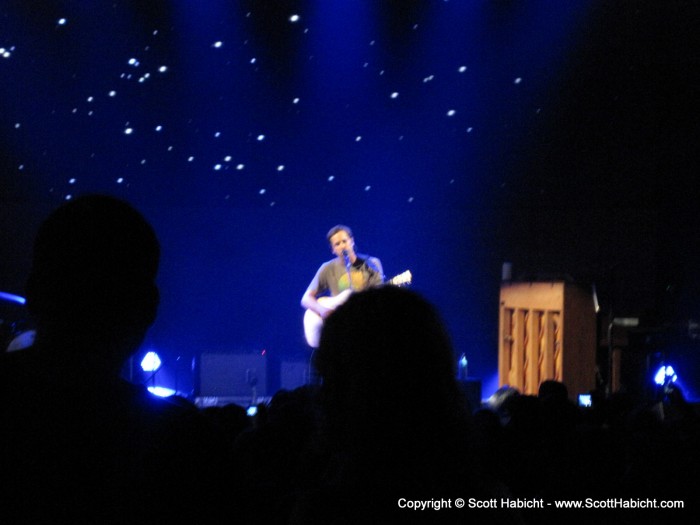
point(346, 273)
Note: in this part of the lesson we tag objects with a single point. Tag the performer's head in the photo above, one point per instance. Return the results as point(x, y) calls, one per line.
point(341, 239)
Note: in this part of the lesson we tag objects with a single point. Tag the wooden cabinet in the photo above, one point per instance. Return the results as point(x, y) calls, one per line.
point(547, 330)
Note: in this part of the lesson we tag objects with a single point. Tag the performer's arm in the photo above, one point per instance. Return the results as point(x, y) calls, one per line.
point(310, 298)
point(310, 302)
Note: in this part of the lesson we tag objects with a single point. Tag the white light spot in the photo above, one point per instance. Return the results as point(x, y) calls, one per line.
point(120, 180)
point(62, 21)
point(280, 167)
point(253, 60)
point(462, 69)
point(240, 167)
point(428, 79)
point(71, 181)
point(367, 188)
point(261, 138)
point(470, 129)
point(517, 80)
point(227, 158)
point(190, 159)
point(134, 62)
point(143, 161)
point(170, 148)
point(17, 125)
point(358, 138)
point(69, 197)
point(128, 131)
point(294, 18)
point(295, 101)
point(217, 44)
point(217, 167)
point(90, 99)
point(217, 134)
point(451, 113)
point(395, 94)
point(159, 128)
point(262, 191)
point(112, 93)
point(75, 110)
point(162, 69)
point(410, 199)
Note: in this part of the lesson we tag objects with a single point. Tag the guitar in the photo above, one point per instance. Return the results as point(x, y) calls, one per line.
point(313, 323)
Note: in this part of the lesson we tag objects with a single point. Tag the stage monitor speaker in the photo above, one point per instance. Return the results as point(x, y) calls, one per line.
point(232, 375)
point(294, 374)
point(472, 391)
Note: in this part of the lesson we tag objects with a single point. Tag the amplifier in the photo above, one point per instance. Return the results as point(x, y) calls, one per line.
point(232, 375)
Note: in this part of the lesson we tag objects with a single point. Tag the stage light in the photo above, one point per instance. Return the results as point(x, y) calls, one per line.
point(151, 362)
point(12, 298)
point(665, 375)
point(22, 341)
point(161, 391)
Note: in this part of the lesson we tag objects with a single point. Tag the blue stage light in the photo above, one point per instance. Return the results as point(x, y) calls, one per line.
point(665, 375)
point(161, 391)
point(12, 298)
point(151, 362)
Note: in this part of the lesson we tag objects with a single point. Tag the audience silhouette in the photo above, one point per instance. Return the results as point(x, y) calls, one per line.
point(79, 443)
point(394, 421)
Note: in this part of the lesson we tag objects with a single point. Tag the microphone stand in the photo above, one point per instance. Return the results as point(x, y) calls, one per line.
point(348, 264)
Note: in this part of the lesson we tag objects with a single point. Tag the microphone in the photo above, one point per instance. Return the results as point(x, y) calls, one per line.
point(347, 258)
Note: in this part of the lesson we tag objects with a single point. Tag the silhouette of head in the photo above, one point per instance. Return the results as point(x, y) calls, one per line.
point(92, 281)
point(551, 389)
point(386, 361)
